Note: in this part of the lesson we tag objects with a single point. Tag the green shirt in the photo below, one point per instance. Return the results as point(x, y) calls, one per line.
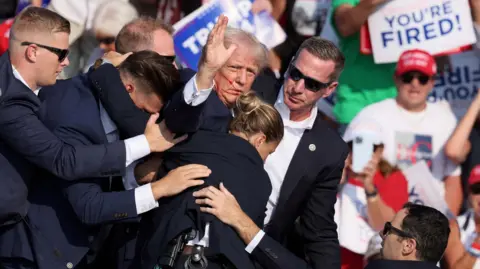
point(362, 82)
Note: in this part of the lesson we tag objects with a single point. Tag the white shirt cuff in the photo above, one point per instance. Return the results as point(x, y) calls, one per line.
point(192, 95)
point(136, 148)
point(144, 200)
point(129, 180)
point(254, 243)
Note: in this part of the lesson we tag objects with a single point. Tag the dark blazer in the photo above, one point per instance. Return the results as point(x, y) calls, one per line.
point(386, 264)
point(24, 138)
point(69, 215)
point(302, 222)
point(25, 142)
point(234, 162)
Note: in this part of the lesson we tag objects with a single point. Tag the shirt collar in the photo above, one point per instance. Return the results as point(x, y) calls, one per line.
point(17, 75)
point(285, 113)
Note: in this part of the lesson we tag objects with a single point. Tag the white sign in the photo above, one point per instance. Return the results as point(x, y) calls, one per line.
point(423, 188)
point(459, 86)
point(435, 26)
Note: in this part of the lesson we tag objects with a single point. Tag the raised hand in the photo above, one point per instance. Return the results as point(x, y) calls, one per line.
point(214, 54)
point(159, 137)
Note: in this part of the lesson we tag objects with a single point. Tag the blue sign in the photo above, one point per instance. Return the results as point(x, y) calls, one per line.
point(192, 31)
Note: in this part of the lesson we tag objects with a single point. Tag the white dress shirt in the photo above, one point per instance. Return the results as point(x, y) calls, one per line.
point(278, 162)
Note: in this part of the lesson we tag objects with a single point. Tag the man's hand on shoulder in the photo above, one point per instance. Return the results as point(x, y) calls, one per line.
point(159, 137)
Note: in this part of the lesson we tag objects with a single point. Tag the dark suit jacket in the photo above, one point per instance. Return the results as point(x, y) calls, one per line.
point(386, 264)
point(305, 207)
point(22, 135)
point(234, 162)
point(24, 139)
point(69, 215)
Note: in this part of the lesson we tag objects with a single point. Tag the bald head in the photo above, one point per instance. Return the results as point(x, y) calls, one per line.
point(140, 34)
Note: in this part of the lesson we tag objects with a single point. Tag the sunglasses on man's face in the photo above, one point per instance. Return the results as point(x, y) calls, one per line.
point(170, 58)
point(106, 40)
point(61, 53)
point(310, 83)
point(408, 77)
point(388, 228)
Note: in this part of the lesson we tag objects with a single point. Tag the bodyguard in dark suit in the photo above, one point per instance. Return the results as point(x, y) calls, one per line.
point(74, 216)
point(37, 53)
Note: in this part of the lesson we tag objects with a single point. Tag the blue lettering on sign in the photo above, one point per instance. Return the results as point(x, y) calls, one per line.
point(421, 25)
point(414, 197)
point(460, 83)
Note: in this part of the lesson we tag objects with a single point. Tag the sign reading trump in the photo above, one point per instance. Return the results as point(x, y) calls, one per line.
point(191, 33)
point(435, 26)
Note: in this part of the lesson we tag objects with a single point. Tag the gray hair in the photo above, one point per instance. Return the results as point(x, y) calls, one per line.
point(242, 38)
point(111, 16)
point(324, 50)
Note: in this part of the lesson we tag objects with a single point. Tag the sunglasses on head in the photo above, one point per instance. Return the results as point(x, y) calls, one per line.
point(388, 228)
point(61, 53)
point(409, 76)
point(106, 40)
point(310, 83)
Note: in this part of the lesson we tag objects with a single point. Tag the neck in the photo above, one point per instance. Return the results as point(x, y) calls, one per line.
point(26, 73)
point(418, 108)
point(299, 115)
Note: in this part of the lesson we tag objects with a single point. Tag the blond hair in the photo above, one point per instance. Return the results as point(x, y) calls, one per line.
point(252, 116)
point(38, 20)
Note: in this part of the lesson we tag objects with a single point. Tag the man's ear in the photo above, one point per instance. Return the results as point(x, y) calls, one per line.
point(130, 87)
point(330, 89)
point(31, 53)
point(409, 246)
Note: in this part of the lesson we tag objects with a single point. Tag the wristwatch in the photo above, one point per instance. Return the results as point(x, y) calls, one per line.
point(371, 194)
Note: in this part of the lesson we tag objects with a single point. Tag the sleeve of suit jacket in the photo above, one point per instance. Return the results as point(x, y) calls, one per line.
point(316, 227)
point(23, 131)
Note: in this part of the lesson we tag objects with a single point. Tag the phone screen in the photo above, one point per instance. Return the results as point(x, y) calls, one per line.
point(362, 152)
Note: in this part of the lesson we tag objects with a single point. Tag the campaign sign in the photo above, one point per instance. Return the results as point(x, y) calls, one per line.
point(191, 33)
point(458, 86)
point(435, 26)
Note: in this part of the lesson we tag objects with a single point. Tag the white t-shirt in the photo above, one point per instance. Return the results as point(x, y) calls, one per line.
point(410, 137)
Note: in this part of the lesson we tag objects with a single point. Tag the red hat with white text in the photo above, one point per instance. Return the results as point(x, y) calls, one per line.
point(416, 60)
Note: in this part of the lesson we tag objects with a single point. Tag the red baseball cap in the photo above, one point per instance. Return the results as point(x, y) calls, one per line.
point(416, 60)
point(474, 176)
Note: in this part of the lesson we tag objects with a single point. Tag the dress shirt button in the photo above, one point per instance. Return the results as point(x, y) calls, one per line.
point(69, 265)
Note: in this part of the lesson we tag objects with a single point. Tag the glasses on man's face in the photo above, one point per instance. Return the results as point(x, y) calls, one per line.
point(170, 58)
point(408, 77)
point(388, 228)
point(106, 40)
point(310, 83)
point(61, 53)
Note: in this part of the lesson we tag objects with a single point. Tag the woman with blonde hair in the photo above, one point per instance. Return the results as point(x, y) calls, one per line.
point(236, 159)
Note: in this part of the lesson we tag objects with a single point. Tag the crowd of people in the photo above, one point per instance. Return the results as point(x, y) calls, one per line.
point(114, 155)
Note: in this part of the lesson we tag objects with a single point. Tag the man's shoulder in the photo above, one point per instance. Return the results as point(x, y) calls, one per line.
point(329, 138)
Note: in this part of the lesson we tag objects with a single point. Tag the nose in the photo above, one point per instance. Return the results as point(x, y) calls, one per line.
point(65, 62)
point(299, 86)
point(415, 82)
point(241, 77)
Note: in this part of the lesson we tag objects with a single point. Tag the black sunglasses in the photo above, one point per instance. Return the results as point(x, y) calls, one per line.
point(409, 76)
point(106, 40)
point(170, 58)
point(61, 53)
point(388, 228)
point(310, 83)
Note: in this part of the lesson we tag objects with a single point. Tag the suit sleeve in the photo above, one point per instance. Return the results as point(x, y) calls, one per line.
point(183, 114)
point(22, 130)
point(89, 202)
point(316, 226)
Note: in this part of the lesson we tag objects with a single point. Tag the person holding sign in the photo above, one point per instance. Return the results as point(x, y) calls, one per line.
point(463, 250)
point(413, 131)
point(363, 82)
point(375, 190)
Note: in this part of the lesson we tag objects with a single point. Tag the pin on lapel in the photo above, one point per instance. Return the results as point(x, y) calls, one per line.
point(312, 147)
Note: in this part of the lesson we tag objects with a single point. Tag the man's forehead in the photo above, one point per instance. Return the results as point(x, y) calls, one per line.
point(313, 66)
point(242, 58)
